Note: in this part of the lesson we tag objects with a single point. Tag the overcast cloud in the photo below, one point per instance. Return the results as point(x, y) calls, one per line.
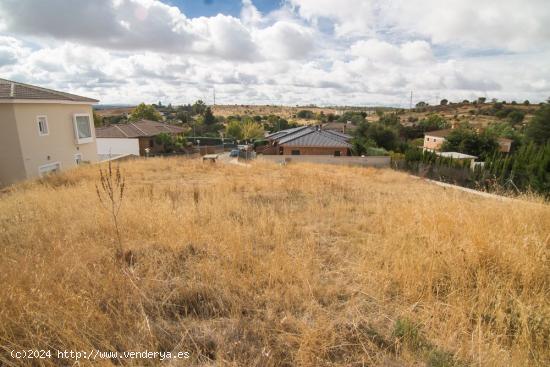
point(324, 52)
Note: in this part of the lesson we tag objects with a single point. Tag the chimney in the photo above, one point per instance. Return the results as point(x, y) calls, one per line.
point(12, 90)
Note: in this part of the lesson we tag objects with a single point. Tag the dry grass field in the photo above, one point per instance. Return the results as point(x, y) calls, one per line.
point(268, 265)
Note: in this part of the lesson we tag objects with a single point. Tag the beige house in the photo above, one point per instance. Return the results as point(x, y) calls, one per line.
point(433, 140)
point(43, 131)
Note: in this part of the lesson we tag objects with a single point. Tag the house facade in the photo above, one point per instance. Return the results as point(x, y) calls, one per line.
point(43, 131)
point(433, 140)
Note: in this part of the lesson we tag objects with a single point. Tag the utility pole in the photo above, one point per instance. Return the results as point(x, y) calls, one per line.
point(214, 91)
point(411, 103)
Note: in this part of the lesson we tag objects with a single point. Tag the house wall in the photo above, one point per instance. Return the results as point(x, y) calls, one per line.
point(60, 144)
point(287, 150)
point(117, 146)
point(12, 168)
point(433, 142)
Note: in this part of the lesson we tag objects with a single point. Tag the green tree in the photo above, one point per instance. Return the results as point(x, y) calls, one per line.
point(390, 119)
point(170, 142)
point(433, 122)
point(209, 118)
point(98, 120)
point(481, 100)
point(198, 107)
point(252, 130)
point(538, 129)
point(444, 102)
point(467, 141)
point(145, 112)
point(234, 130)
point(305, 114)
point(516, 117)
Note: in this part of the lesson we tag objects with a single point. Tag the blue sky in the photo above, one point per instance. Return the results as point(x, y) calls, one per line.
point(207, 8)
point(324, 52)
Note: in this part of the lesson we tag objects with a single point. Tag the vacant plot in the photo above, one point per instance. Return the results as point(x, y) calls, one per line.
point(267, 265)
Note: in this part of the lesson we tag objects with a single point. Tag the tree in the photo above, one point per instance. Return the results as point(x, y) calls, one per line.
point(433, 122)
point(145, 112)
point(170, 142)
point(516, 117)
point(209, 118)
point(444, 102)
point(305, 114)
point(467, 141)
point(252, 130)
point(538, 129)
point(198, 108)
point(481, 100)
point(98, 120)
point(421, 104)
point(234, 130)
point(390, 119)
point(526, 102)
point(466, 101)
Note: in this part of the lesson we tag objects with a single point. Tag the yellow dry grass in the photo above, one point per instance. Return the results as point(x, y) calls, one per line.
point(268, 265)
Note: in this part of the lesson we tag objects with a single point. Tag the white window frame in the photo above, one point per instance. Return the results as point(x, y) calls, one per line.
point(83, 140)
point(38, 125)
point(42, 174)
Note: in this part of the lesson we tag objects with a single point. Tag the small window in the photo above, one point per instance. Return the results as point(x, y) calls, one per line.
point(83, 128)
point(295, 152)
point(42, 125)
point(336, 153)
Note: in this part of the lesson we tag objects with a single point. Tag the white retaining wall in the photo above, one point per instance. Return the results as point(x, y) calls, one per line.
point(374, 161)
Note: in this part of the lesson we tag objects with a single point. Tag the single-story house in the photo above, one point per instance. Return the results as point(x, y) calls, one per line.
point(133, 138)
point(43, 130)
point(309, 140)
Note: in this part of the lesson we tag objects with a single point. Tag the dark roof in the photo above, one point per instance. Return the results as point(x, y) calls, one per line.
point(313, 137)
point(439, 133)
point(14, 90)
point(282, 133)
point(141, 128)
point(340, 135)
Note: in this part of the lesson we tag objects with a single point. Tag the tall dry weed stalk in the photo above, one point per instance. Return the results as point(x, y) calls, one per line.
point(111, 193)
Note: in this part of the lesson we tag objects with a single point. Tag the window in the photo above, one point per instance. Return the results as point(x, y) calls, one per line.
point(337, 153)
point(42, 125)
point(49, 168)
point(295, 152)
point(83, 128)
point(78, 158)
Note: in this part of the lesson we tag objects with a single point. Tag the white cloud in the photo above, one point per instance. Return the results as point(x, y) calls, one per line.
point(384, 52)
point(286, 40)
point(322, 51)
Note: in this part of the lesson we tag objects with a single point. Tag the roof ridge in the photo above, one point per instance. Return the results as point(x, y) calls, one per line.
point(122, 131)
point(134, 125)
point(70, 96)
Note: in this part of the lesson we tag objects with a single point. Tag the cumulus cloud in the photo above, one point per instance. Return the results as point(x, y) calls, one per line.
point(322, 51)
